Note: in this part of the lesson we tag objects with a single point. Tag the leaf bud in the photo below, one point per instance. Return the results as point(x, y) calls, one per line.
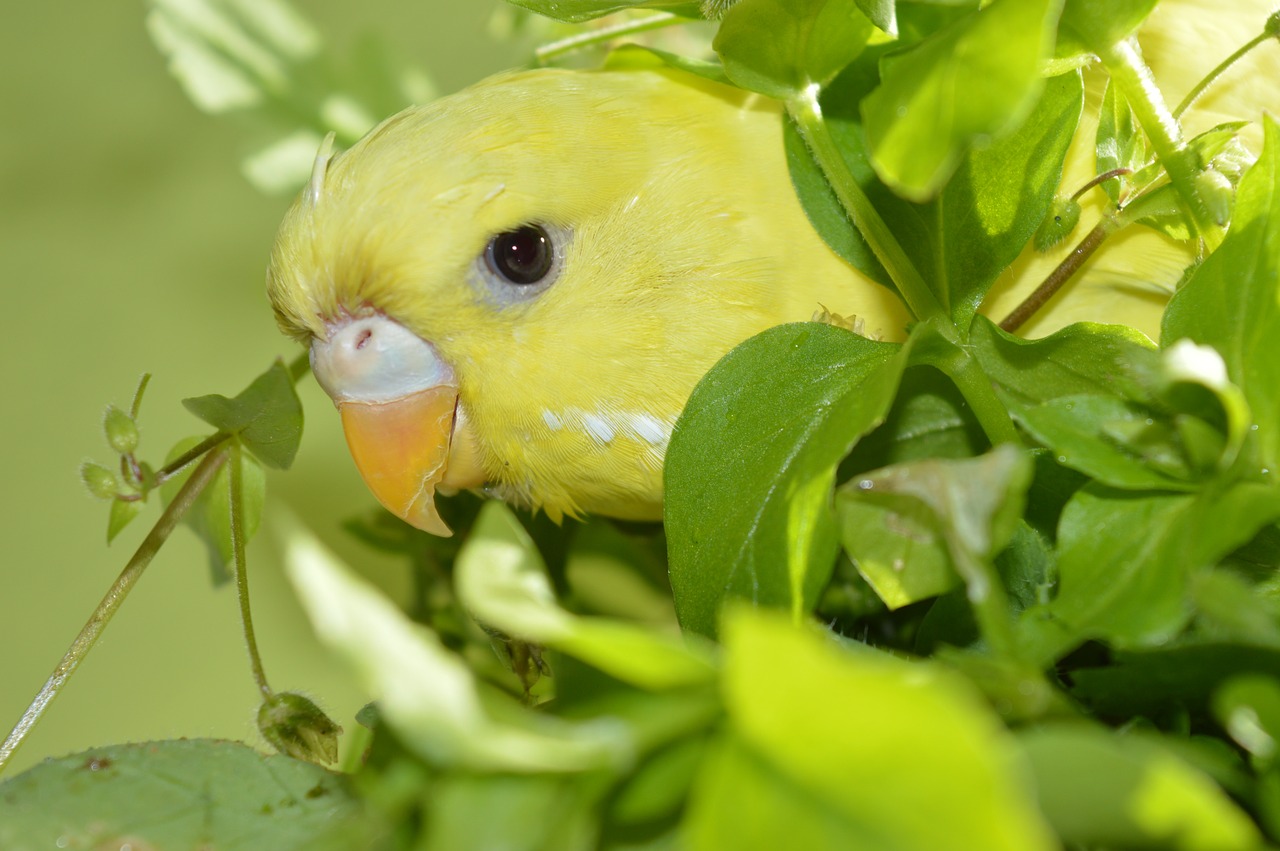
point(122, 431)
point(101, 481)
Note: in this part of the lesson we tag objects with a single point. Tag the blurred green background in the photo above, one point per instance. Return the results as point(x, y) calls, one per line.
point(129, 243)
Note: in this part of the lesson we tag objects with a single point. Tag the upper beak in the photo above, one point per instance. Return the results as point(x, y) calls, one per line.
point(399, 405)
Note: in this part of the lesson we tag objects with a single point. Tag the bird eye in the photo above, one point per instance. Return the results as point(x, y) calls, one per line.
point(522, 256)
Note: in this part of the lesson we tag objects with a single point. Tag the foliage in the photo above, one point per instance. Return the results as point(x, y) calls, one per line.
point(964, 590)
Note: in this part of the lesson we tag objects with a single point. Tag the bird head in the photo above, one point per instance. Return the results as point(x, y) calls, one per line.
point(516, 287)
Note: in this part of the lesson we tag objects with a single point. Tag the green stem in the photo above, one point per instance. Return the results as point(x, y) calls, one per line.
point(300, 366)
point(807, 114)
point(235, 482)
point(989, 601)
point(975, 386)
point(110, 604)
point(1212, 76)
point(1133, 78)
point(556, 49)
point(177, 465)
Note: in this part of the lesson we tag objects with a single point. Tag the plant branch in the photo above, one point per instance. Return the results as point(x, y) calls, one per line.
point(581, 41)
point(235, 482)
point(1212, 77)
point(805, 110)
point(1133, 78)
point(1060, 275)
point(110, 604)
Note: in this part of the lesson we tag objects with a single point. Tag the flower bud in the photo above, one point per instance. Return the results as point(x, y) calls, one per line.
point(1061, 220)
point(101, 482)
point(294, 725)
point(1217, 193)
point(122, 431)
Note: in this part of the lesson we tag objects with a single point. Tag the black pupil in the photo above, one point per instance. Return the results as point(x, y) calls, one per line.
point(522, 256)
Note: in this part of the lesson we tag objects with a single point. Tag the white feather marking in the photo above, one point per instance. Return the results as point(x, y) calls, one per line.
point(650, 429)
point(494, 193)
point(553, 422)
point(597, 427)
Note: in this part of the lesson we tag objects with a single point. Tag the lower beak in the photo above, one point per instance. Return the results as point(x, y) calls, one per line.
point(401, 449)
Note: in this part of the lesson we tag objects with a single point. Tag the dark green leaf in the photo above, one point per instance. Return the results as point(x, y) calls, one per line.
point(1101, 790)
point(1082, 359)
point(1126, 559)
point(909, 526)
point(918, 129)
point(267, 415)
point(1228, 608)
point(752, 461)
point(196, 793)
point(782, 47)
point(1115, 441)
point(1232, 302)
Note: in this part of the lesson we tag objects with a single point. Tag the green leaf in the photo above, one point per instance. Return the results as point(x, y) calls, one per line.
point(1098, 24)
point(577, 11)
point(822, 732)
point(267, 416)
point(910, 526)
point(427, 694)
point(514, 813)
point(752, 461)
point(122, 514)
point(1103, 790)
point(1119, 143)
point(1248, 708)
point(1113, 440)
point(192, 793)
point(781, 48)
point(1232, 302)
point(1081, 359)
point(882, 13)
point(918, 129)
point(501, 579)
point(1126, 560)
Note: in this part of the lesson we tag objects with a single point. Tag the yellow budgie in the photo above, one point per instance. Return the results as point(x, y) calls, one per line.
point(517, 287)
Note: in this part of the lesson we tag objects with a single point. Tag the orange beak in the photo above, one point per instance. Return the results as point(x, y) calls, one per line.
point(401, 449)
point(401, 416)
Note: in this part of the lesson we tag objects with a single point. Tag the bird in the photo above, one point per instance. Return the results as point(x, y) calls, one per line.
point(515, 288)
point(541, 268)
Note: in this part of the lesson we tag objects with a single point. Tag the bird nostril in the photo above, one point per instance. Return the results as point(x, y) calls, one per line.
point(365, 336)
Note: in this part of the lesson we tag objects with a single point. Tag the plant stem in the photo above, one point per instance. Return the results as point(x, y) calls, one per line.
point(556, 49)
point(110, 604)
point(1212, 76)
point(235, 481)
point(1133, 78)
point(177, 465)
point(975, 386)
point(805, 110)
point(1060, 275)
